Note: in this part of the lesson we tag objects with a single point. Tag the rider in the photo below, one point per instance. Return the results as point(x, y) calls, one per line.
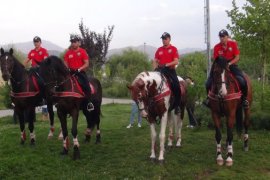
point(76, 59)
point(36, 56)
point(166, 60)
point(228, 49)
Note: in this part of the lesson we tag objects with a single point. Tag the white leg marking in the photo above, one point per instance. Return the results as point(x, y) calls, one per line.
point(162, 135)
point(153, 140)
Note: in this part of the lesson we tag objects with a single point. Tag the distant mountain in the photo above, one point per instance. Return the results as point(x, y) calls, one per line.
point(149, 50)
point(25, 47)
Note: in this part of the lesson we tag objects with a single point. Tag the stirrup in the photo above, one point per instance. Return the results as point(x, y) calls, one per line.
point(90, 107)
point(206, 103)
point(245, 103)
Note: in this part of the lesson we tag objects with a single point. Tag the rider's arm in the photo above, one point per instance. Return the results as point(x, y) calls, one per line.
point(155, 63)
point(84, 66)
point(173, 63)
point(235, 60)
point(26, 62)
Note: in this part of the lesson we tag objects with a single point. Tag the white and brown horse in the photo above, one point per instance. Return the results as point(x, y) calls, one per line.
point(151, 92)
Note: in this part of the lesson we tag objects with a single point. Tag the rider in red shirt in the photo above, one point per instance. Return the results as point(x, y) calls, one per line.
point(228, 49)
point(166, 59)
point(77, 60)
point(35, 56)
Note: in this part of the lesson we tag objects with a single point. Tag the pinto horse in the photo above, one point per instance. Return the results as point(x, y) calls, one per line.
point(151, 92)
point(25, 92)
point(69, 97)
point(225, 100)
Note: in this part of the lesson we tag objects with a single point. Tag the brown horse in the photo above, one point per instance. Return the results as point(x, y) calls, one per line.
point(69, 97)
point(25, 92)
point(151, 92)
point(225, 100)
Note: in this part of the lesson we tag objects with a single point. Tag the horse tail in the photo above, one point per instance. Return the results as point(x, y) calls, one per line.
point(239, 120)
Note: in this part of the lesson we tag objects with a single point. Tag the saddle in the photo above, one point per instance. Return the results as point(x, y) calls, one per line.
point(76, 89)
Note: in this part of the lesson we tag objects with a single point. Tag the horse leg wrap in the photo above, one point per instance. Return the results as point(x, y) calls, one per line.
point(76, 142)
point(66, 143)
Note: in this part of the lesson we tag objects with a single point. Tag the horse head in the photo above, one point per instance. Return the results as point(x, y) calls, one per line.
point(7, 63)
point(53, 71)
point(143, 90)
point(219, 71)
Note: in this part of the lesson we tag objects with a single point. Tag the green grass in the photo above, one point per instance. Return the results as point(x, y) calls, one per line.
point(124, 153)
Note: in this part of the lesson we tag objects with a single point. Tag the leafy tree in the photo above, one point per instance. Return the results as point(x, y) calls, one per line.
point(96, 45)
point(250, 26)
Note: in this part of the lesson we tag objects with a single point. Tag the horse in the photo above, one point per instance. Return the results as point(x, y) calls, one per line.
point(25, 92)
point(69, 99)
point(225, 100)
point(151, 92)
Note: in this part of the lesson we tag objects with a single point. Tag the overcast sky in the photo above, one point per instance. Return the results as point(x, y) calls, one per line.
point(136, 21)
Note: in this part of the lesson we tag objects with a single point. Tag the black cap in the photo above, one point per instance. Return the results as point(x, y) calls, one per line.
point(222, 33)
point(165, 35)
point(37, 39)
point(74, 38)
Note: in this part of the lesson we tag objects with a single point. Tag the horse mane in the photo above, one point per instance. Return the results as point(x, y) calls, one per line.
point(147, 78)
point(17, 64)
point(221, 62)
point(56, 63)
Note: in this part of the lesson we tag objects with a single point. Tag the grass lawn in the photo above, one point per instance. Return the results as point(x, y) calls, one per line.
point(124, 153)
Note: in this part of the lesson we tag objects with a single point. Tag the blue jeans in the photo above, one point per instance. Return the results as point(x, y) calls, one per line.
point(134, 111)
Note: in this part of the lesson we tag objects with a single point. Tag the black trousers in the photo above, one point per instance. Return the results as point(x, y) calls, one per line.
point(83, 81)
point(238, 75)
point(171, 75)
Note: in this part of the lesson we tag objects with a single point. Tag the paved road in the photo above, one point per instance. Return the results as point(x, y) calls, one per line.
point(9, 112)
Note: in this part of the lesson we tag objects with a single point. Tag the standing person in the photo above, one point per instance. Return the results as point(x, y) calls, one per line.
point(166, 60)
point(77, 60)
point(134, 111)
point(228, 49)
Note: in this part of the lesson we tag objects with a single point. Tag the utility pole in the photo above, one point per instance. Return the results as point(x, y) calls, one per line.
point(207, 34)
point(144, 44)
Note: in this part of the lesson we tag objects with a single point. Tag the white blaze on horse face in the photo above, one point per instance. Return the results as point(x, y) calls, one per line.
point(223, 90)
point(6, 57)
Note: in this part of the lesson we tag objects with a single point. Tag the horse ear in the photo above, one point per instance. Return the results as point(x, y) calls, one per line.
point(129, 86)
point(11, 51)
point(2, 51)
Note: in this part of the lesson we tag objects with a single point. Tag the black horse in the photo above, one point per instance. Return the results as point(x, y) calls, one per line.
point(64, 88)
point(25, 92)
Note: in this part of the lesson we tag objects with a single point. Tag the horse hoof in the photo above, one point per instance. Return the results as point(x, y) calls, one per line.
point(64, 151)
point(161, 162)
point(32, 142)
point(60, 138)
point(246, 149)
point(169, 147)
point(178, 146)
point(50, 137)
point(22, 142)
point(152, 159)
point(229, 161)
point(97, 142)
point(76, 153)
point(87, 138)
point(220, 162)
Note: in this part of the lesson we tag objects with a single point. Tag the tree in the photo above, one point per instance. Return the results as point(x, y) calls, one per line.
point(96, 44)
point(251, 27)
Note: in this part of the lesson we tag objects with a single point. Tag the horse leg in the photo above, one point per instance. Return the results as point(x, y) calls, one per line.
point(51, 116)
point(98, 136)
point(20, 114)
point(88, 131)
point(63, 120)
point(170, 125)
point(74, 132)
point(162, 136)
point(179, 124)
point(246, 126)
point(153, 141)
point(230, 123)
point(31, 117)
point(218, 137)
